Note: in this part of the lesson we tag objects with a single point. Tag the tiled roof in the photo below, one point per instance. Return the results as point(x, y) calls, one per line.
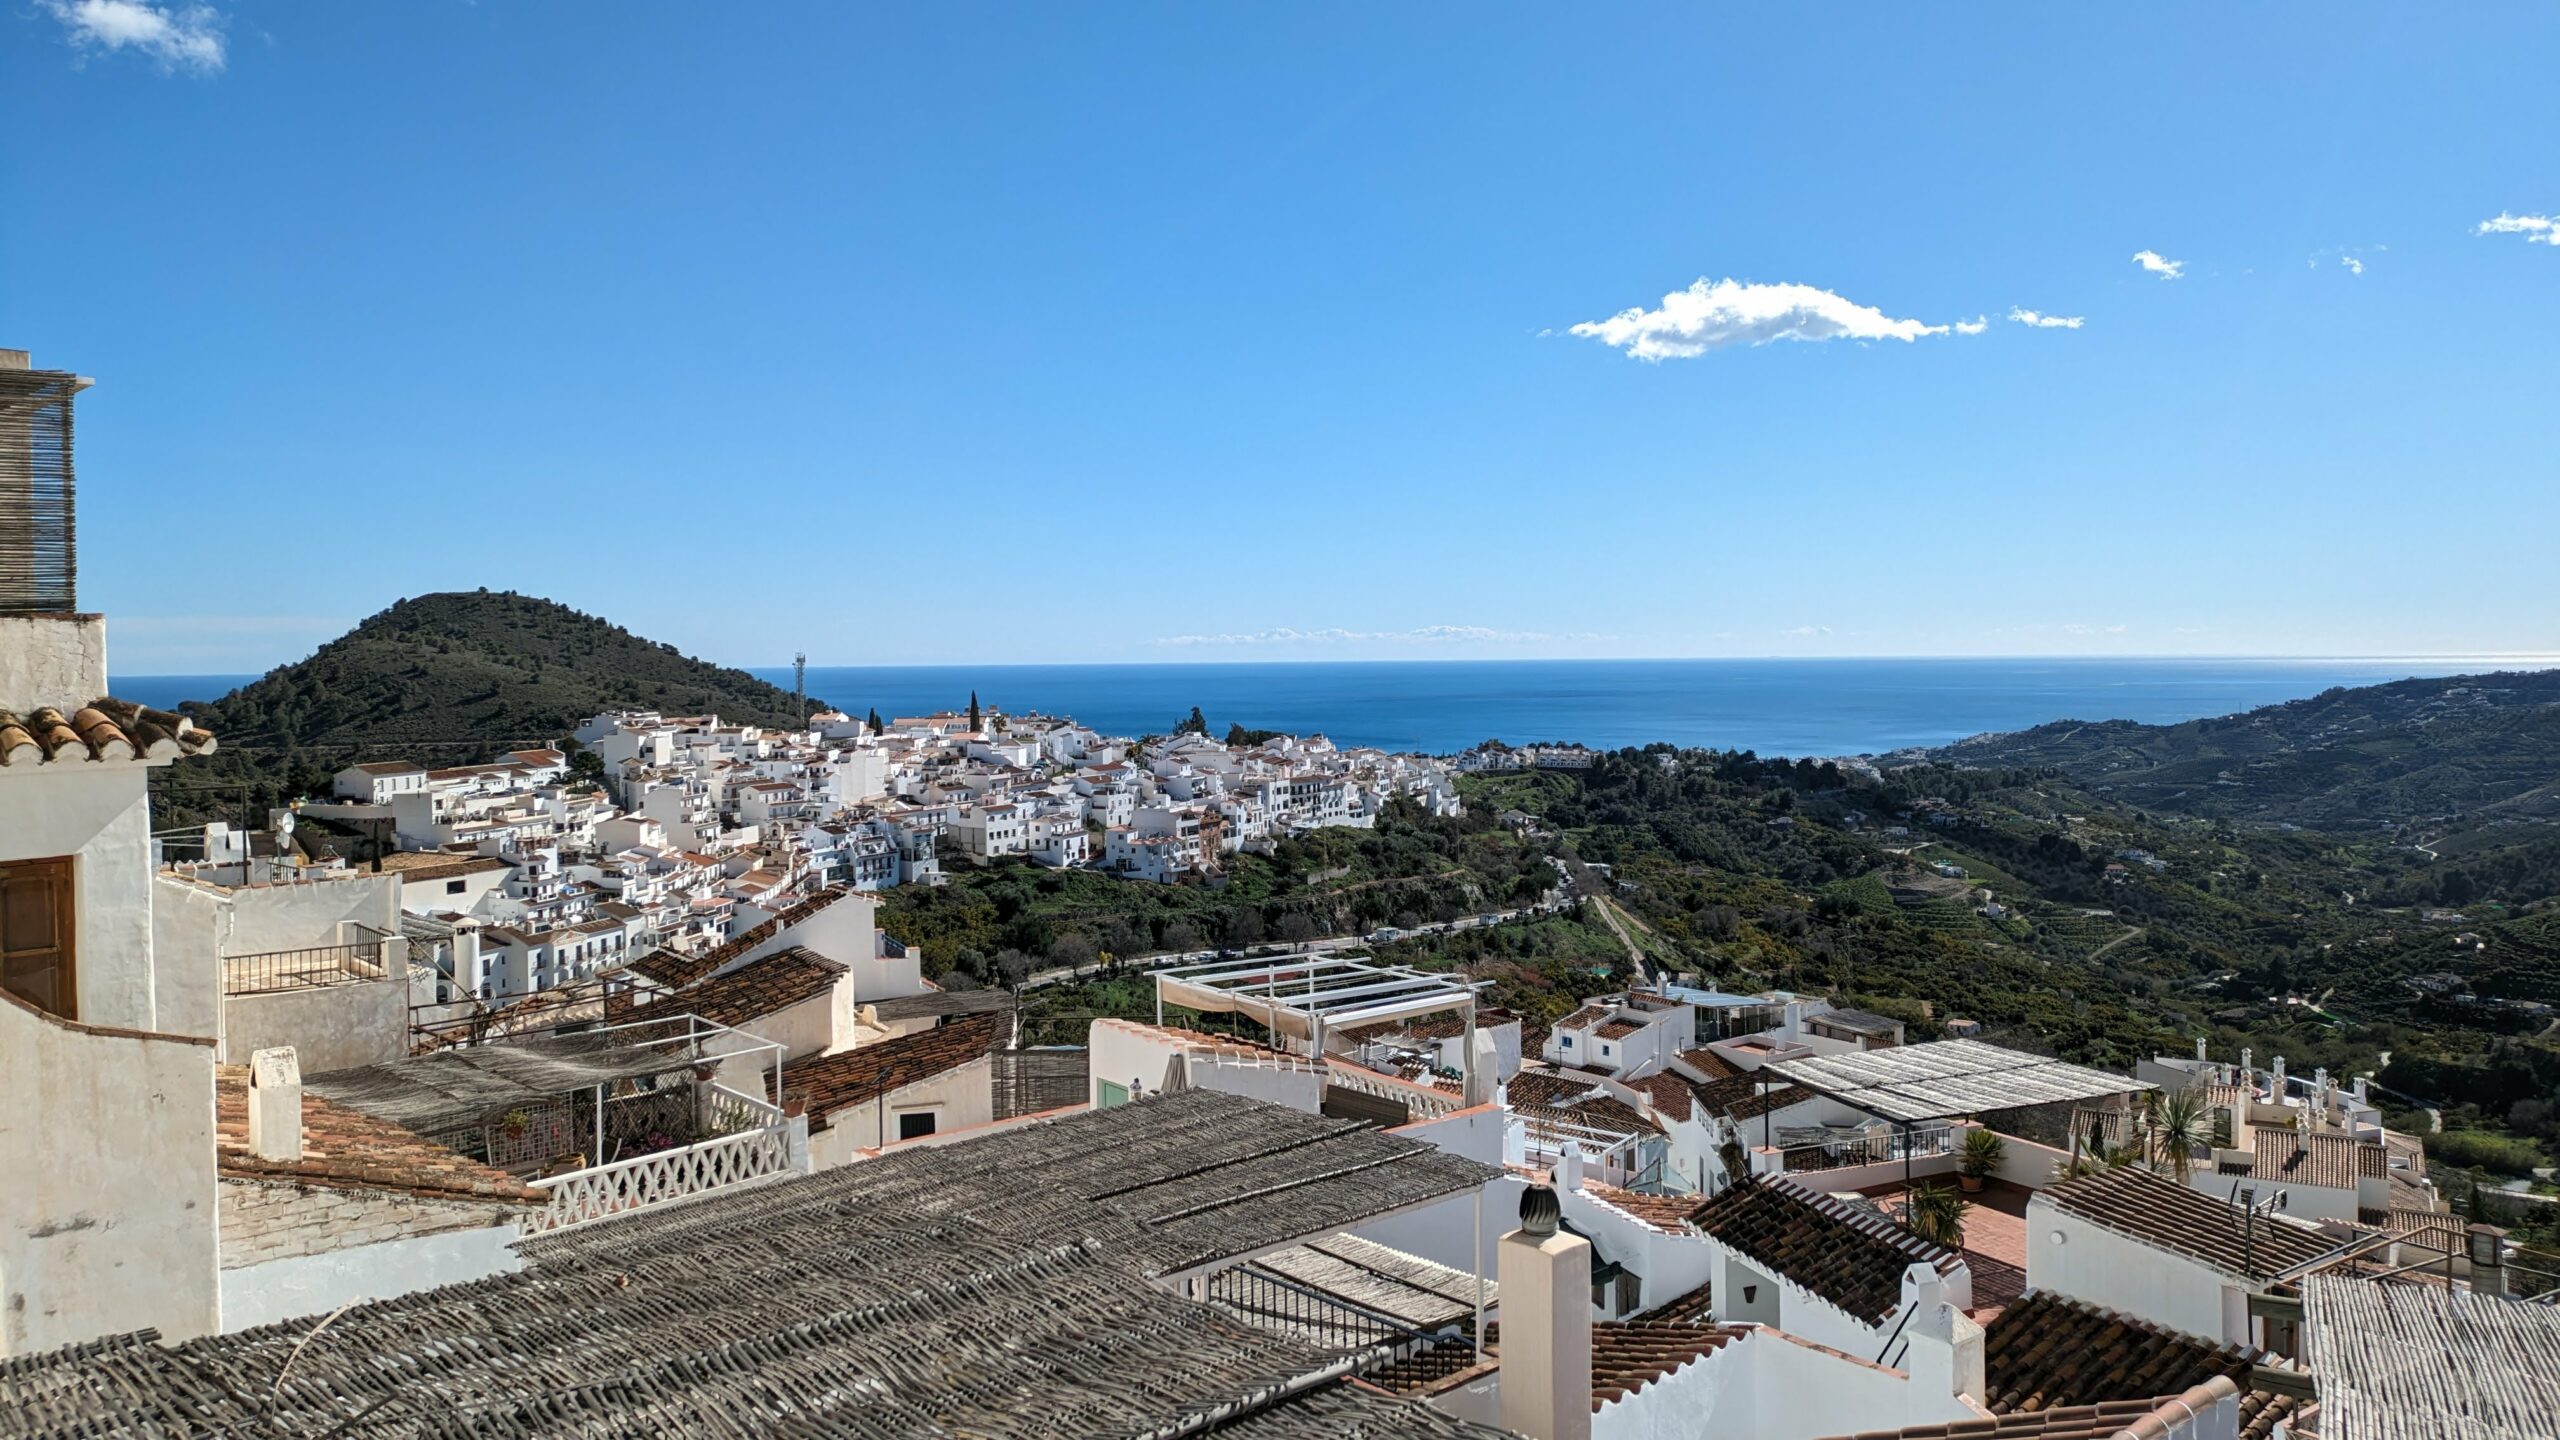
point(1004, 1292)
point(101, 730)
point(768, 984)
point(1667, 1213)
point(1584, 1018)
point(1670, 1094)
point(1746, 1098)
point(439, 865)
point(1710, 1064)
point(832, 1083)
point(2047, 1352)
point(678, 971)
point(1545, 1087)
point(1617, 1029)
point(1627, 1355)
point(2289, 1157)
point(346, 1149)
point(1850, 1256)
point(2160, 1212)
point(2109, 1421)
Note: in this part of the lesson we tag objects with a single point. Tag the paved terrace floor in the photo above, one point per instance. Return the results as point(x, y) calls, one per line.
point(1995, 1241)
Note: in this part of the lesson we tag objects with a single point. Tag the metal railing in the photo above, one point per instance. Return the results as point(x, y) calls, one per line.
point(1867, 1148)
point(270, 971)
point(645, 1182)
point(1317, 1317)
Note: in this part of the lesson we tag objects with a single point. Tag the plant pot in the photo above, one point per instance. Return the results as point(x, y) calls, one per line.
point(1969, 1184)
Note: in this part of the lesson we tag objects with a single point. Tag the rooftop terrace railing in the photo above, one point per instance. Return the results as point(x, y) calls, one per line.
point(270, 971)
point(646, 1182)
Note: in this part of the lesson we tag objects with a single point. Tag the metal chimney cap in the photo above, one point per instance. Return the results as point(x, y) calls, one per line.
point(1540, 1211)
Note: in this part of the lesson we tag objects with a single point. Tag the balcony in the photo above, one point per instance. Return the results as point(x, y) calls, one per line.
point(363, 956)
point(652, 1112)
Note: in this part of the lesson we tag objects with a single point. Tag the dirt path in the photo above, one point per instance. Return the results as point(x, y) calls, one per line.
point(2131, 932)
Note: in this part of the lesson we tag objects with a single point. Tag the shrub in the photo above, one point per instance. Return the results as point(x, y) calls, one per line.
point(2498, 1153)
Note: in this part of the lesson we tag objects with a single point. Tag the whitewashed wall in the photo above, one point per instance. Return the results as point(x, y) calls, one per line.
point(2089, 1262)
point(106, 1183)
point(957, 1098)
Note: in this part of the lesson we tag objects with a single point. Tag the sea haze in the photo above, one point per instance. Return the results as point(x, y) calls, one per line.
point(1782, 707)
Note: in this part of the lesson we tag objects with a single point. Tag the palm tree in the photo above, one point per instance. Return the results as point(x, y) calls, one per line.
point(2181, 1123)
point(1936, 1214)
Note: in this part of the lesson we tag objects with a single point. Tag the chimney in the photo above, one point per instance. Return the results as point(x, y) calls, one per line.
point(1945, 1356)
point(275, 1104)
point(1569, 1166)
point(2275, 1088)
point(2199, 1047)
point(1546, 1323)
point(2488, 1259)
point(2359, 1090)
point(1483, 1067)
point(2248, 1075)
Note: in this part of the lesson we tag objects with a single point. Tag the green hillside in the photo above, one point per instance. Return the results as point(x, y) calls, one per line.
point(2454, 753)
point(442, 679)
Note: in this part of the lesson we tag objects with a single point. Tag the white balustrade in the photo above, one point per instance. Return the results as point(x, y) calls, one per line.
point(645, 1181)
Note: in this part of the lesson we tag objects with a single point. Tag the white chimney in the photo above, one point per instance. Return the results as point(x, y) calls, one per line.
point(2359, 1090)
point(2248, 1075)
point(1569, 1166)
point(1946, 1351)
point(1483, 1067)
point(2275, 1091)
point(1546, 1323)
point(2199, 1047)
point(275, 1104)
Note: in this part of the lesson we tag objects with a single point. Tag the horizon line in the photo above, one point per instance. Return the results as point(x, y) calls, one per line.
point(2532, 658)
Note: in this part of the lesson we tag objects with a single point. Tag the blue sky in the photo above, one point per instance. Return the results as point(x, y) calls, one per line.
point(1023, 333)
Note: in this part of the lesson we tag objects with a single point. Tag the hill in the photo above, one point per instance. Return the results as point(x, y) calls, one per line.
point(2470, 749)
point(442, 679)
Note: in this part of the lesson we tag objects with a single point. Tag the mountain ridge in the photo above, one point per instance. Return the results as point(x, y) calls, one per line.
point(445, 679)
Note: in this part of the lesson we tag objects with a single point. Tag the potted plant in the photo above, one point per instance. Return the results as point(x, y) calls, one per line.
point(1977, 1155)
point(1936, 1214)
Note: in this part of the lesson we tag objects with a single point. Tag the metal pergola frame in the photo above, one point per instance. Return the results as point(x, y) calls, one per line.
point(1304, 996)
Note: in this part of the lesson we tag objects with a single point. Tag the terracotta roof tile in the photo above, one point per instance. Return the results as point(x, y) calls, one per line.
point(831, 1083)
point(1627, 1355)
point(1670, 1094)
point(346, 1149)
point(1848, 1255)
point(1617, 1029)
point(2160, 1212)
point(2323, 1158)
point(679, 971)
point(1666, 1213)
point(1584, 1018)
point(2046, 1352)
point(759, 988)
point(101, 730)
point(1710, 1064)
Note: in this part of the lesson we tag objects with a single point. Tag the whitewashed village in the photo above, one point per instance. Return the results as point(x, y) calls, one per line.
point(593, 1100)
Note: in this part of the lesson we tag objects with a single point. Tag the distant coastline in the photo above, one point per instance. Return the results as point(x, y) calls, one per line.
point(1782, 706)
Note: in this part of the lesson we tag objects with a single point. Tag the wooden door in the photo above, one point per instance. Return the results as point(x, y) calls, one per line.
point(36, 949)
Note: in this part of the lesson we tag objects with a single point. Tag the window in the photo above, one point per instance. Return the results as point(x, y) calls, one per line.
point(454, 887)
point(36, 948)
point(1107, 1093)
point(915, 1123)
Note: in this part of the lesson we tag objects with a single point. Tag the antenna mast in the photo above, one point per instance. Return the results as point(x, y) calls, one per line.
point(800, 687)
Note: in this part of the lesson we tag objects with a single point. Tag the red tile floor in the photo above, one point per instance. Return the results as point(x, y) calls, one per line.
point(1995, 1241)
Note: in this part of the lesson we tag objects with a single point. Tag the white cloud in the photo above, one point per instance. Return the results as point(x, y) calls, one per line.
point(2159, 264)
point(1419, 635)
point(1974, 326)
point(2536, 229)
point(2042, 321)
point(1806, 632)
point(2354, 265)
point(1717, 314)
point(180, 37)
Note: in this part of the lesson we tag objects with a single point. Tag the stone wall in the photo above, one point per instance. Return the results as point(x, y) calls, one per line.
point(265, 1220)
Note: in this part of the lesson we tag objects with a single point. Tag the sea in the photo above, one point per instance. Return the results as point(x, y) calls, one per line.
point(1775, 707)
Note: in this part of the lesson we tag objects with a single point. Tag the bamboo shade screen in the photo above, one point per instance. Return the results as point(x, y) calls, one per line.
point(38, 559)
